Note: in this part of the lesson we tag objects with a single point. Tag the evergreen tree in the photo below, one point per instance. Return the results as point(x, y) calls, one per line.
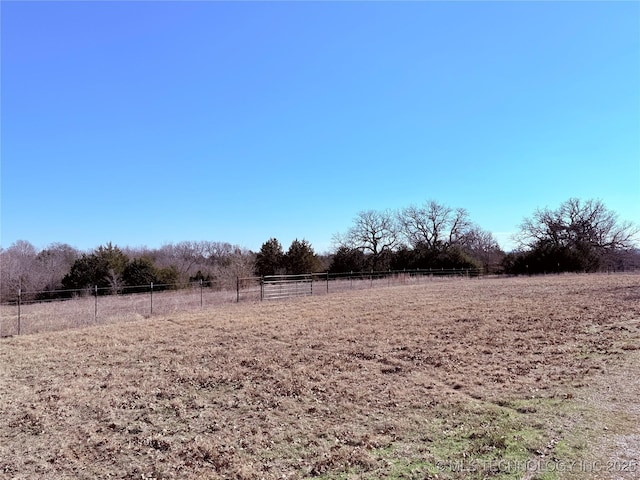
point(300, 258)
point(104, 268)
point(140, 273)
point(269, 259)
point(347, 260)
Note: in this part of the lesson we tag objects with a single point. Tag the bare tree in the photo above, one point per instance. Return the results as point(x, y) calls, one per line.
point(434, 226)
point(579, 235)
point(238, 263)
point(241, 263)
point(483, 246)
point(23, 267)
point(588, 224)
point(218, 253)
point(217, 262)
point(17, 269)
point(184, 256)
point(478, 240)
point(115, 281)
point(374, 232)
point(54, 262)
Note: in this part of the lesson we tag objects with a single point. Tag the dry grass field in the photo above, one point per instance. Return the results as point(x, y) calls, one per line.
point(520, 378)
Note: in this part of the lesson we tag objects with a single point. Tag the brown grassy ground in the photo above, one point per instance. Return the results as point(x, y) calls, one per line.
point(458, 379)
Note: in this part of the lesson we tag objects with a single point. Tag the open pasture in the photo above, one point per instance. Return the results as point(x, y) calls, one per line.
point(450, 380)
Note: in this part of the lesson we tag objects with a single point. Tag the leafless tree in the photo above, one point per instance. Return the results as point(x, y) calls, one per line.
point(218, 261)
point(184, 256)
point(116, 284)
point(241, 262)
point(374, 232)
point(17, 269)
point(434, 226)
point(586, 224)
point(218, 253)
point(483, 246)
point(53, 263)
point(237, 263)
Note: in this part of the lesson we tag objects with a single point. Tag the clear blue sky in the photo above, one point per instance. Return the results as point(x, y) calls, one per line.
point(142, 123)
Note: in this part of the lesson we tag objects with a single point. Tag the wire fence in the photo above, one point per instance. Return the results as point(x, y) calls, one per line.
point(51, 310)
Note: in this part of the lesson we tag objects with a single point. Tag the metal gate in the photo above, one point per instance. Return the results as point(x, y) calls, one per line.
point(285, 287)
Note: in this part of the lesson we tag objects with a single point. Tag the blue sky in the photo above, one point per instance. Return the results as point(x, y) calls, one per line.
point(143, 123)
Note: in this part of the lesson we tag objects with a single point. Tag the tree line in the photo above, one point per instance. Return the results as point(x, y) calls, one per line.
point(113, 269)
point(577, 236)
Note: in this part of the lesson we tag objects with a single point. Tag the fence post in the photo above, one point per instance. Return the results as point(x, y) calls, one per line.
point(237, 289)
point(95, 304)
point(327, 281)
point(200, 293)
point(151, 311)
point(312, 284)
point(261, 287)
point(19, 302)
